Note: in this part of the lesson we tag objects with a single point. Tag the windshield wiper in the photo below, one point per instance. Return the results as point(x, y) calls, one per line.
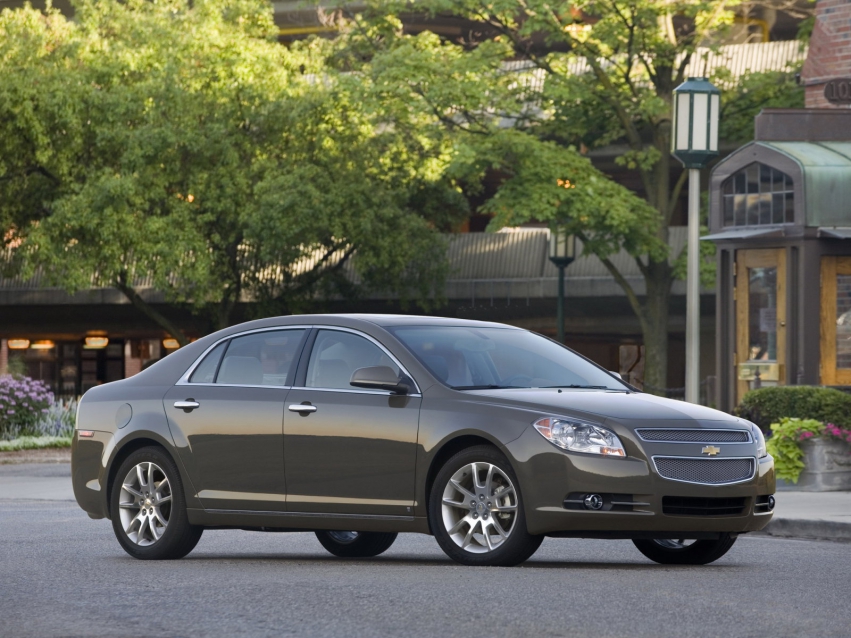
point(583, 387)
point(483, 387)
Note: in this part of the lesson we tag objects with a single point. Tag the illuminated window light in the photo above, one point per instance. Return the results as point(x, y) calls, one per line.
point(96, 343)
point(18, 344)
point(44, 344)
point(170, 344)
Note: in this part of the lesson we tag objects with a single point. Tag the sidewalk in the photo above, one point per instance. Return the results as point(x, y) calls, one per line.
point(812, 515)
point(823, 515)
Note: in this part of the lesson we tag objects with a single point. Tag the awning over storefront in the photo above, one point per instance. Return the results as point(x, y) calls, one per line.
point(744, 233)
point(836, 233)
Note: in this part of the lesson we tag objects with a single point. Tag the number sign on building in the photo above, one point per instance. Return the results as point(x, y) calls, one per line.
point(838, 91)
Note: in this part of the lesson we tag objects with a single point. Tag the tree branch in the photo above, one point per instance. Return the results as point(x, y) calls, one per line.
point(675, 194)
point(153, 314)
point(634, 302)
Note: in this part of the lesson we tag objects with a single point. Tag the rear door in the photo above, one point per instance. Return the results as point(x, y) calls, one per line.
point(351, 451)
point(227, 418)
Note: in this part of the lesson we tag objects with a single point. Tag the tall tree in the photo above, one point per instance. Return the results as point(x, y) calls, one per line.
point(582, 74)
point(178, 144)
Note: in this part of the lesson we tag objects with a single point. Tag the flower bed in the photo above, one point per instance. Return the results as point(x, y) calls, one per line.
point(28, 411)
point(810, 455)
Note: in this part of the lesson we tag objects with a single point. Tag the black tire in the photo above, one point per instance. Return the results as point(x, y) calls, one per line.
point(356, 544)
point(179, 536)
point(519, 544)
point(701, 552)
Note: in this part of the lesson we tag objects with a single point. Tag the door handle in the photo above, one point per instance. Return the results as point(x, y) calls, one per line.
point(302, 409)
point(187, 406)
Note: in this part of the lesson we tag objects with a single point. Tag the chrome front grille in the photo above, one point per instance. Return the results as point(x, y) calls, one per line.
point(693, 436)
point(706, 471)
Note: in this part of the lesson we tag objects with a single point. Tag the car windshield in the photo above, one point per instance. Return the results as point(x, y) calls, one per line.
point(483, 358)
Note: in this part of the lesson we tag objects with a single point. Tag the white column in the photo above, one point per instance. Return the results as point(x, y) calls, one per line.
point(693, 290)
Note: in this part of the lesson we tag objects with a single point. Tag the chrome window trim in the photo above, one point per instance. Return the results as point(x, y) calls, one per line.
point(184, 380)
point(748, 442)
point(418, 392)
point(708, 460)
point(383, 393)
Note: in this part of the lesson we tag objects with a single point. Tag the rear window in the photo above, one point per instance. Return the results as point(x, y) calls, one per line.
point(259, 359)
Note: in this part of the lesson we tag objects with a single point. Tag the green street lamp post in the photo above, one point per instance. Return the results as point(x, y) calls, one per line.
point(694, 141)
point(562, 251)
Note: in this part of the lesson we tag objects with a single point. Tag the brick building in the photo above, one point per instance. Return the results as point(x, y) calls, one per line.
point(828, 65)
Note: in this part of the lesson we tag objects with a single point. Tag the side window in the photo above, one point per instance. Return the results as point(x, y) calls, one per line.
point(262, 358)
point(336, 355)
point(206, 372)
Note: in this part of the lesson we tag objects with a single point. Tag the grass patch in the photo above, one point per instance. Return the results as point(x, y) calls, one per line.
point(34, 443)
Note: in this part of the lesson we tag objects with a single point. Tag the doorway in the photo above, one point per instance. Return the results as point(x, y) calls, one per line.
point(760, 296)
point(835, 332)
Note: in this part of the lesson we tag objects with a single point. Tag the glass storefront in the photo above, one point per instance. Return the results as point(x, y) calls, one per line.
point(68, 367)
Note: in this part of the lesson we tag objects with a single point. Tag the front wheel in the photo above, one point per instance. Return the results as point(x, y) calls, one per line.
point(684, 552)
point(475, 510)
point(356, 544)
point(148, 508)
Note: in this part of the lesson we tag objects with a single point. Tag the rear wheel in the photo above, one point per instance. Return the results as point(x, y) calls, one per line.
point(356, 544)
point(475, 510)
point(685, 552)
point(148, 508)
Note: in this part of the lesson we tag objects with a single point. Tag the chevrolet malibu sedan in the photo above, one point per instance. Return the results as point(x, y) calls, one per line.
point(359, 427)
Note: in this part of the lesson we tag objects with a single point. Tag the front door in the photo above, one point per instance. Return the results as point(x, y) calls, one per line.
point(354, 452)
point(227, 420)
point(836, 320)
point(760, 318)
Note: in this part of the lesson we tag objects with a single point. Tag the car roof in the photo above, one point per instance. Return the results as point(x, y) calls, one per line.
point(389, 321)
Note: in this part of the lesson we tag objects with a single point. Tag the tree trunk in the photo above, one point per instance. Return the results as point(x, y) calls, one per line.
point(656, 306)
point(658, 276)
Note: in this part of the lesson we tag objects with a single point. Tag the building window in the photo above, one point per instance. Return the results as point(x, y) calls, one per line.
point(758, 195)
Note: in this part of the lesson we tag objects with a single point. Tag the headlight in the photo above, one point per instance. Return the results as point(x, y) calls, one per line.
point(758, 436)
point(580, 437)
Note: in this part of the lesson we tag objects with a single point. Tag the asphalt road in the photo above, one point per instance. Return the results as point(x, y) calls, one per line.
point(62, 574)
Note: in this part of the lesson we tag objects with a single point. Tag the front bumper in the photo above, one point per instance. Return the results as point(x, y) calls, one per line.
point(548, 475)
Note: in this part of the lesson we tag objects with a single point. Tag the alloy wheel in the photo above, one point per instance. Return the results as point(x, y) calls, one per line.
point(670, 543)
point(343, 537)
point(145, 503)
point(479, 507)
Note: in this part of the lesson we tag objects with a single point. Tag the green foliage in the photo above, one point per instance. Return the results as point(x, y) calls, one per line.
point(34, 443)
point(16, 367)
point(583, 75)
point(784, 445)
point(178, 142)
point(769, 405)
point(751, 93)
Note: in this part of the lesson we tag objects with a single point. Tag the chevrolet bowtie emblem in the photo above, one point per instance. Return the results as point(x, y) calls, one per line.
point(711, 450)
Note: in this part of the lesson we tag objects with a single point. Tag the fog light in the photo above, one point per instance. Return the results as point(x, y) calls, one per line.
point(771, 503)
point(594, 502)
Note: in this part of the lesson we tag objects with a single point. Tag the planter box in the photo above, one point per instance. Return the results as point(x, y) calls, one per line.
point(827, 467)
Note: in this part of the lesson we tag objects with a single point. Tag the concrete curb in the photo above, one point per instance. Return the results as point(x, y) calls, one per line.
point(801, 528)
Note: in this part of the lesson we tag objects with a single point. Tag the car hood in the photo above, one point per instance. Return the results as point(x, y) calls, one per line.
point(635, 408)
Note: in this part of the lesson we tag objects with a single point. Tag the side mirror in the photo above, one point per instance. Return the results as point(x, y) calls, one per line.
point(617, 374)
point(378, 378)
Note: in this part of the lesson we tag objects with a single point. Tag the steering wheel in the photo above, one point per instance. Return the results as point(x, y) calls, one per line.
point(517, 377)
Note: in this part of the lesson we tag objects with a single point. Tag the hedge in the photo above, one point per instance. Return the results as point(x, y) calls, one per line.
point(768, 405)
